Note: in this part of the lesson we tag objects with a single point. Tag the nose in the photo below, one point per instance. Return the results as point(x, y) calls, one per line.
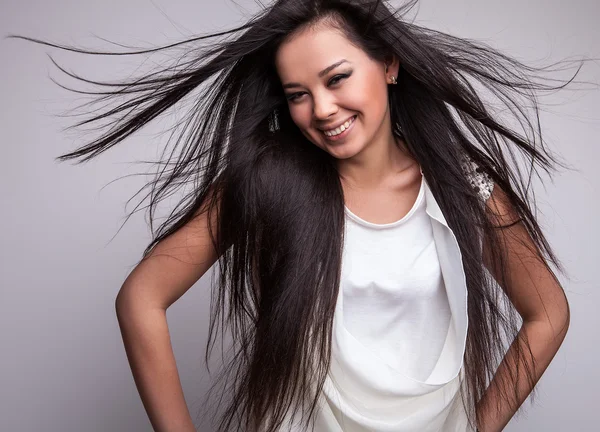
point(324, 106)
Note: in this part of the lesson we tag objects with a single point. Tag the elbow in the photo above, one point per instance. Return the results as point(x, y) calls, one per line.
point(120, 307)
point(560, 325)
point(134, 300)
point(564, 316)
point(556, 320)
point(120, 300)
point(567, 317)
point(124, 301)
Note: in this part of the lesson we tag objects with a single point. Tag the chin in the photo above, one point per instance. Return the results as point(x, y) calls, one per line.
point(338, 151)
point(343, 152)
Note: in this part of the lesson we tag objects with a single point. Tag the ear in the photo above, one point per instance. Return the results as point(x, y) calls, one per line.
point(391, 66)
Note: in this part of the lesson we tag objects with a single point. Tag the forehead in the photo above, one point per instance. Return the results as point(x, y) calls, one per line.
point(311, 50)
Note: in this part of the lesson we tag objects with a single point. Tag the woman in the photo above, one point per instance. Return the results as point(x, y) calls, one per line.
point(376, 251)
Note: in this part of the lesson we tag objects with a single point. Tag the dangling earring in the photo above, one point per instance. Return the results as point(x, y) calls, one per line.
point(400, 130)
point(274, 120)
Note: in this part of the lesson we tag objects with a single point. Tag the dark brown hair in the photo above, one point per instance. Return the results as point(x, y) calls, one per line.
point(281, 205)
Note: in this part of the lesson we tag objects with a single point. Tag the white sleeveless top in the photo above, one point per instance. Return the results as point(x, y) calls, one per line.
point(393, 297)
point(400, 325)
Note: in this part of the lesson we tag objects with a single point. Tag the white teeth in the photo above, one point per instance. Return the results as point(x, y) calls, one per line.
point(340, 129)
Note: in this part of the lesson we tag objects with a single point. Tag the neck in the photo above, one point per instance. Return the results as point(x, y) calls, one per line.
point(382, 159)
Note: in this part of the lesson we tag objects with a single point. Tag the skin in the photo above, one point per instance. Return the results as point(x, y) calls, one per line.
point(380, 180)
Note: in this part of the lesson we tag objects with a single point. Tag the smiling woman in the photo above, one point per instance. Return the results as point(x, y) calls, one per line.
point(323, 99)
point(376, 251)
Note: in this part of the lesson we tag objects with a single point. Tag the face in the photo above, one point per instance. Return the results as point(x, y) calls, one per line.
point(328, 82)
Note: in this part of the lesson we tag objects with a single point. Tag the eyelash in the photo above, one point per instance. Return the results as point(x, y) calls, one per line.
point(337, 79)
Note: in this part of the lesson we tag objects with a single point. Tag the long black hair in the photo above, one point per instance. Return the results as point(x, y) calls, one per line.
point(278, 197)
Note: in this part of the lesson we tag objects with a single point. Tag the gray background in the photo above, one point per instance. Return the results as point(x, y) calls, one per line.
point(63, 366)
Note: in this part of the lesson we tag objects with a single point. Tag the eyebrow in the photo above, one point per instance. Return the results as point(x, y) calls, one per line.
point(322, 73)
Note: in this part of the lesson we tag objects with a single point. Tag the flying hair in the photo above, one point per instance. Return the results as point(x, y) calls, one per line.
point(279, 202)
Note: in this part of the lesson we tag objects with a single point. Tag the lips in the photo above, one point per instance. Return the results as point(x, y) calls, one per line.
point(342, 123)
point(342, 135)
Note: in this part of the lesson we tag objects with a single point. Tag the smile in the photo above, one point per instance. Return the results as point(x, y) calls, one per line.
point(340, 132)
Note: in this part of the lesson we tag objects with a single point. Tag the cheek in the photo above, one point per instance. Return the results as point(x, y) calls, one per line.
point(377, 96)
point(300, 116)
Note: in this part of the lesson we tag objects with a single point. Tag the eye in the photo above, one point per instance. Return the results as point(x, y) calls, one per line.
point(332, 81)
point(337, 78)
point(294, 96)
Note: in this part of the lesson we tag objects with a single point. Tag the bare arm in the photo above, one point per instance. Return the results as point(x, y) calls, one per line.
point(172, 267)
point(539, 299)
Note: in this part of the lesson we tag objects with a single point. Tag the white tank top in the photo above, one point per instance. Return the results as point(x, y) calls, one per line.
point(395, 352)
point(394, 299)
